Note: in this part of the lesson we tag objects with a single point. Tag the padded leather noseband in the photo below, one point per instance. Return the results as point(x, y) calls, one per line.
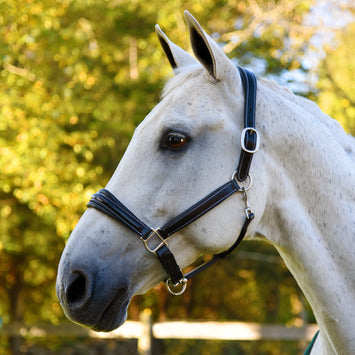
point(155, 241)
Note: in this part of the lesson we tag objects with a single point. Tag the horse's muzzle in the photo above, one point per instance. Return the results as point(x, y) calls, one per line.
point(88, 298)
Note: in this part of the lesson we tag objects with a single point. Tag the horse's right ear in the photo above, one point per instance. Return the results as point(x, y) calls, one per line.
point(208, 52)
point(177, 56)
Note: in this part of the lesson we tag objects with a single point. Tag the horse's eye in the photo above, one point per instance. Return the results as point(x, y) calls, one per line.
point(174, 141)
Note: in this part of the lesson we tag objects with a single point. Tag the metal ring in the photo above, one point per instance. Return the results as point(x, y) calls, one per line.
point(182, 283)
point(234, 177)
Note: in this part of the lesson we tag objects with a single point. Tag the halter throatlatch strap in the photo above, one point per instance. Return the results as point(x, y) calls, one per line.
point(155, 240)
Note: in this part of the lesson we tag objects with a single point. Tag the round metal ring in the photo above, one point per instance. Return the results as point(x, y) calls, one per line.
point(170, 285)
point(246, 188)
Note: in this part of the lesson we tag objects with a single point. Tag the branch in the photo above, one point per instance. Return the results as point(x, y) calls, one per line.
point(274, 13)
point(20, 71)
point(8, 202)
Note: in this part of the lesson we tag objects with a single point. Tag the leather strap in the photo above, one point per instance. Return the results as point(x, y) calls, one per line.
point(250, 138)
point(222, 255)
point(106, 202)
point(199, 208)
point(170, 265)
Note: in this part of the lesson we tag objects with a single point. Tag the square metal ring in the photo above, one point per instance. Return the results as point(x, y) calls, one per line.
point(162, 241)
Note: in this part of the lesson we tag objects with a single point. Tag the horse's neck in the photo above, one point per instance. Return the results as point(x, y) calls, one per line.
point(309, 216)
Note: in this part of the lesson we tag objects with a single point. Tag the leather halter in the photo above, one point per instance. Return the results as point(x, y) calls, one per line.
point(155, 240)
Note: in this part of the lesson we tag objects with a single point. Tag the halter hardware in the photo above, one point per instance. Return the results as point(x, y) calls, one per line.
point(154, 232)
point(107, 203)
point(242, 140)
point(170, 286)
point(249, 214)
point(246, 188)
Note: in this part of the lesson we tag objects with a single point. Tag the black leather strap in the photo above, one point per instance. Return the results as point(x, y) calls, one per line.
point(170, 265)
point(250, 141)
point(222, 255)
point(107, 203)
point(199, 208)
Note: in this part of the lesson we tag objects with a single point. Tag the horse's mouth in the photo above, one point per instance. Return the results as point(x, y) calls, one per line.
point(115, 314)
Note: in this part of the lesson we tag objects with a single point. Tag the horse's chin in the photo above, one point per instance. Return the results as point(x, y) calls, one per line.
point(110, 321)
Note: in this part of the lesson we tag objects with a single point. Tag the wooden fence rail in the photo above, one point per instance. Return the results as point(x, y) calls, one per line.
point(145, 331)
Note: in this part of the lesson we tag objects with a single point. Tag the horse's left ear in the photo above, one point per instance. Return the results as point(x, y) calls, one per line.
point(207, 51)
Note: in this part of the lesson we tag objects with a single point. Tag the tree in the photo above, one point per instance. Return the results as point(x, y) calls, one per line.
point(336, 78)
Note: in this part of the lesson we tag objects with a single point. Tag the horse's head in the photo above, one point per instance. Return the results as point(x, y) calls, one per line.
point(185, 148)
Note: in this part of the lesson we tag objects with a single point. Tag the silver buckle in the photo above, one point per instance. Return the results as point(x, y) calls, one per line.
point(242, 140)
point(162, 241)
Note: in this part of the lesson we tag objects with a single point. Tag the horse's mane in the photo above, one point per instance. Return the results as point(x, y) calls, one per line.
point(288, 94)
point(347, 141)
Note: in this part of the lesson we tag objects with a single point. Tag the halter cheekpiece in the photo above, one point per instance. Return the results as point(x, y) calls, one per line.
point(155, 240)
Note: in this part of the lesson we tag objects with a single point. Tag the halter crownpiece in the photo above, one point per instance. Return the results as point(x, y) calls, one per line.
point(155, 240)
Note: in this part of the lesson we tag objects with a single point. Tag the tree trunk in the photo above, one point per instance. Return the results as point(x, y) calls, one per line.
point(17, 304)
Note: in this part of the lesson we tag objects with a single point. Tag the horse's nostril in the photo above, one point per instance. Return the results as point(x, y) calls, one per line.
point(77, 289)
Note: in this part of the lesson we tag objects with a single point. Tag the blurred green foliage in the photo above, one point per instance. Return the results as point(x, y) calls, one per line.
point(76, 77)
point(336, 83)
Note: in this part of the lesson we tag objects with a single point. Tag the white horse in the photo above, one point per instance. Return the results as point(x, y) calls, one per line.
point(303, 195)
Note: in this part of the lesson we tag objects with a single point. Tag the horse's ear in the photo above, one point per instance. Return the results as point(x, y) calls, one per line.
point(177, 56)
point(207, 51)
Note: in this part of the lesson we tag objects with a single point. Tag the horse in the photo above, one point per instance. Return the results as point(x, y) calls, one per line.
point(297, 193)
